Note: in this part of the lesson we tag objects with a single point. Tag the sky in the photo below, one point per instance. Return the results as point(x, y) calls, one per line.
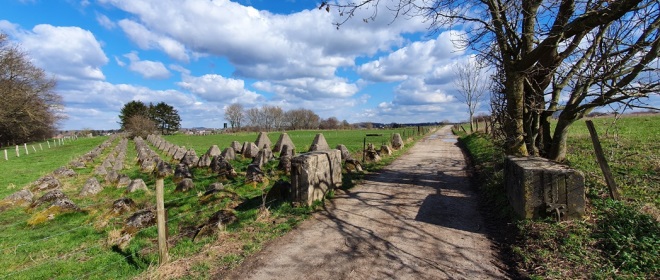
point(200, 56)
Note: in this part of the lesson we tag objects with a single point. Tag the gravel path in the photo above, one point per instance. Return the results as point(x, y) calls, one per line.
point(417, 219)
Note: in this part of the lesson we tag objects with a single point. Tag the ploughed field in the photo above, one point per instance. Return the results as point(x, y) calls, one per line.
point(72, 228)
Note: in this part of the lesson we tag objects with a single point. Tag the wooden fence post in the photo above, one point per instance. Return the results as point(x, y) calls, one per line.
point(6, 158)
point(611, 184)
point(162, 170)
point(33, 148)
point(17, 153)
point(41, 147)
point(48, 142)
point(26, 150)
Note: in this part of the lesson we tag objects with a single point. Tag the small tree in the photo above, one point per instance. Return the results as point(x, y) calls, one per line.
point(471, 86)
point(166, 117)
point(131, 109)
point(140, 125)
point(235, 115)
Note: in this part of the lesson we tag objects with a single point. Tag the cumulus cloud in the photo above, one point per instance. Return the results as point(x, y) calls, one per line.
point(104, 21)
point(216, 88)
point(69, 53)
point(308, 88)
point(147, 40)
point(147, 68)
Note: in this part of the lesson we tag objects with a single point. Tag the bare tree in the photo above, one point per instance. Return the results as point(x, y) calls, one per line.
point(600, 50)
point(29, 107)
point(235, 115)
point(140, 125)
point(471, 86)
point(329, 123)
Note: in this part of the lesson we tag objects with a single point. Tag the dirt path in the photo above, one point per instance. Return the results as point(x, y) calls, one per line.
point(416, 219)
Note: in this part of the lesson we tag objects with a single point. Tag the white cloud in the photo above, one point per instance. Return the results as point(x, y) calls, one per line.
point(69, 53)
point(104, 21)
point(308, 88)
point(216, 88)
point(147, 40)
point(147, 68)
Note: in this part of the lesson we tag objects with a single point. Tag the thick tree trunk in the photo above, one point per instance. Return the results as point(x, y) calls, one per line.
point(557, 151)
point(514, 123)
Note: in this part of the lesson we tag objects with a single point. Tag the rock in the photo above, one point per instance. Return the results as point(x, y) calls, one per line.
point(118, 166)
point(285, 160)
point(107, 164)
point(163, 169)
point(123, 205)
point(185, 185)
point(190, 158)
point(250, 150)
point(228, 153)
point(217, 221)
point(47, 182)
point(100, 170)
point(238, 148)
point(397, 141)
point(204, 161)
point(385, 150)
point(352, 165)
point(181, 172)
point(263, 157)
point(124, 181)
point(223, 168)
point(20, 197)
point(48, 197)
point(180, 153)
point(91, 187)
point(371, 153)
point(319, 143)
point(345, 154)
point(135, 185)
point(65, 203)
point(282, 141)
point(147, 165)
point(313, 174)
point(254, 174)
point(77, 164)
point(139, 220)
point(214, 187)
point(262, 140)
point(112, 177)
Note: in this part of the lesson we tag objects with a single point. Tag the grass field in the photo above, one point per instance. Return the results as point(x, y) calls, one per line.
point(79, 245)
point(617, 239)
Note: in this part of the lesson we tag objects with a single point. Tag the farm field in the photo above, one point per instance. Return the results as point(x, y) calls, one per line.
point(38, 243)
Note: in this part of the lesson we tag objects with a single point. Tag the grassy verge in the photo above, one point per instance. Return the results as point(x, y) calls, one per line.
point(617, 239)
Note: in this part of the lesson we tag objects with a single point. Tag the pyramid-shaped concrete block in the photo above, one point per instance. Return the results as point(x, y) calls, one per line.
point(262, 140)
point(319, 143)
point(283, 140)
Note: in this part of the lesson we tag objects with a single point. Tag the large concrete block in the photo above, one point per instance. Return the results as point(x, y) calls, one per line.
point(313, 174)
point(537, 187)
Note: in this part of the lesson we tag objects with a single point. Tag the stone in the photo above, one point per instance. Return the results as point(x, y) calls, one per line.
point(371, 154)
point(100, 170)
point(107, 164)
point(181, 172)
point(185, 185)
point(319, 143)
point(223, 168)
point(136, 185)
point(214, 187)
point(397, 141)
point(123, 181)
point(218, 220)
point(385, 150)
point(123, 205)
point(352, 165)
point(47, 182)
point(112, 177)
point(283, 140)
point(48, 197)
point(228, 153)
point(190, 158)
point(20, 197)
point(250, 150)
point(313, 174)
point(537, 188)
point(118, 166)
point(91, 187)
point(78, 164)
point(139, 220)
point(65, 203)
point(163, 169)
point(63, 172)
point(238, 148)
point(180, 153)
point(147, 165)
point(254, 174)
point(204, 161)
point(345, 154)
point(262, 139)
point(285, 160)
point(263, 157)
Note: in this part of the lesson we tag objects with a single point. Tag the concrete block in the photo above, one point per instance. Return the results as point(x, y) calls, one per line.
point(313, 174)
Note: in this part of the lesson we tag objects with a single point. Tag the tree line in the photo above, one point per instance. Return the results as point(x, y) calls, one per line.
point(271, 118)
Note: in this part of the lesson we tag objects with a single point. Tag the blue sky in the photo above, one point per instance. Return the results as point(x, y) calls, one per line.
point(201, 56)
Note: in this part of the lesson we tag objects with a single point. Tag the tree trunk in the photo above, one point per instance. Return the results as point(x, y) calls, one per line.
point(514, 123)
point(557, 151)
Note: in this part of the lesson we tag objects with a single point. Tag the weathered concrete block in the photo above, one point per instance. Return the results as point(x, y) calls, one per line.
point(313, 174)
point(537, 187)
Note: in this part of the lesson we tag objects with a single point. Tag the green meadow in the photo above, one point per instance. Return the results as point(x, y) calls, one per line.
point(83, 244)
